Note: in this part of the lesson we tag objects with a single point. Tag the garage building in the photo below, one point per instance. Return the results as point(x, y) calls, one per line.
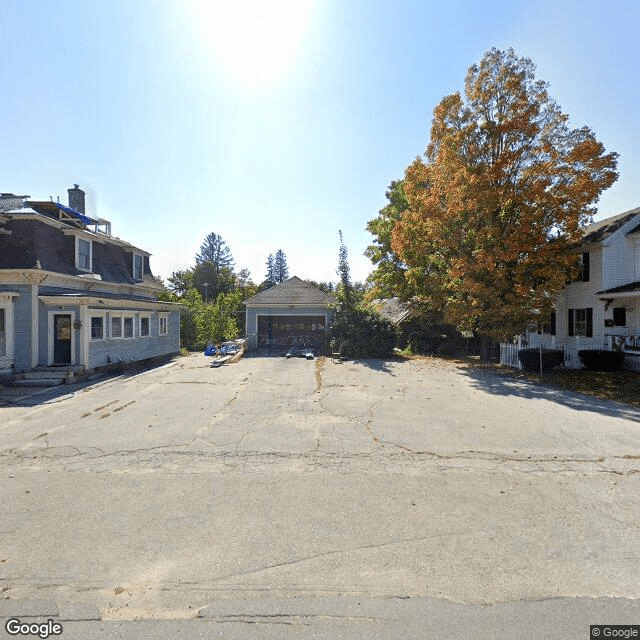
point(291, 313)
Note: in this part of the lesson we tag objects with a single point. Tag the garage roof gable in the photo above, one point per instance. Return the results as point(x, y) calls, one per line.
point(292, 291)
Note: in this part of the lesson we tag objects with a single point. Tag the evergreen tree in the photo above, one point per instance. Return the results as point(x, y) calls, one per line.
point(215, 250)
point(359, 330)
point(270, 277)
point(280, 269)
point(327, 287)
point(345, 288)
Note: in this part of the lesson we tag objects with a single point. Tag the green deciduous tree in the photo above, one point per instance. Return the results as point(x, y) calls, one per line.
point(181, 281)
point(388, 279)
point(202, 322)
point(211, 294)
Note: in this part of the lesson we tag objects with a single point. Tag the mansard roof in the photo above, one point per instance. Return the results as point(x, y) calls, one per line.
point(33, 244)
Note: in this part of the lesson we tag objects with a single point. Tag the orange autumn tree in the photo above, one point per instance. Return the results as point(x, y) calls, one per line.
point(498, 200)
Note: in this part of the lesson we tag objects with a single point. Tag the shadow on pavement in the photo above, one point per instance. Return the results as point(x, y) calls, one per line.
point(31, 396)
point(496, 384)
point(377, 364)
point(12, 396)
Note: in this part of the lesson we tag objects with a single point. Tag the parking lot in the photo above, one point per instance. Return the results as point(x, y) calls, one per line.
point(297, 493)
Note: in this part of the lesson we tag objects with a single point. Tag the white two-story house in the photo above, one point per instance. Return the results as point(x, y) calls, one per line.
point(601, 308)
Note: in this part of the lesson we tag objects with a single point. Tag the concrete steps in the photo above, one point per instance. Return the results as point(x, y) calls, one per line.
point(47, 376)
point(43, 375)
point(67, 368)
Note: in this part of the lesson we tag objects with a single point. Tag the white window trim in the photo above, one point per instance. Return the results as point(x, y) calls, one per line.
point(580, 324)
point(90, 269)
point(113, 317)
point(122, 315)
point(6, 304)
point(97, 314)
point(165, 317)
point(147, 315)
point(133, 266)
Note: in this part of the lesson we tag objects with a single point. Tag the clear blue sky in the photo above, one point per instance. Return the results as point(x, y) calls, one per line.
point(274, 124)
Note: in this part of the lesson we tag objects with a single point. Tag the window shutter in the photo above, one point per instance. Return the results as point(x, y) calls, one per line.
point(589, 322)
point(585, 267)
point(570, 322)
point(619, 317)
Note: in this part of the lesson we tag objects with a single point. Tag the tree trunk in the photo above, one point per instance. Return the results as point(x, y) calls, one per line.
point(485, 348)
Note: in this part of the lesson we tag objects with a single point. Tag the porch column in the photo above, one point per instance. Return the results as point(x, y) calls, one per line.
point(85, 333)
point(35, 326)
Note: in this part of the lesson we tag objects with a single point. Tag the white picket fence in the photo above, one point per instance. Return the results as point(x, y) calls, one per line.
point(509, 353)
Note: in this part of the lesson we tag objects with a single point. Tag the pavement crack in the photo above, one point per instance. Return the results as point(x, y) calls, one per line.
point(326, 554)
point(320, 363)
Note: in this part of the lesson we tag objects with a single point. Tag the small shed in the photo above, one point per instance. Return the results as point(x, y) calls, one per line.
point(291, 313)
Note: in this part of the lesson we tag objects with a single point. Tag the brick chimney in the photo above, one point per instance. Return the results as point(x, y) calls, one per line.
point(76, 198)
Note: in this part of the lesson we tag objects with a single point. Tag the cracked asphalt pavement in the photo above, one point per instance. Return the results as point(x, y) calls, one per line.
point(294, 498)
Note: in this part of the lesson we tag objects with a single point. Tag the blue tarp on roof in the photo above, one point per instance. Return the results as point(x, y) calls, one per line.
point(75, 213)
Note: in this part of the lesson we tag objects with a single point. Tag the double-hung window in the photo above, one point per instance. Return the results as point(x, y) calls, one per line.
point(580, 322)
point(145, 326)
point(584, 268)
point(137, 266)
point(83, 254)
point(127, 327)
point(548, 324)
point(97, 327)
point(122, 326)
point(116, 326)
point(164, 325)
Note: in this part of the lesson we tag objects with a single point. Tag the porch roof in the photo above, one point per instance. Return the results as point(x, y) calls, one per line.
point(83, 293)
point(633, 288)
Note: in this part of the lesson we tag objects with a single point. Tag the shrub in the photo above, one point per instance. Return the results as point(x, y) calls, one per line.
point(530, 359)
point(601, 359)
point(451, 350)
point(422, 342)
point(362, 333)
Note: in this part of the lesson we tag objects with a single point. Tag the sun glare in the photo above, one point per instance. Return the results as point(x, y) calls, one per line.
point(256, 41)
